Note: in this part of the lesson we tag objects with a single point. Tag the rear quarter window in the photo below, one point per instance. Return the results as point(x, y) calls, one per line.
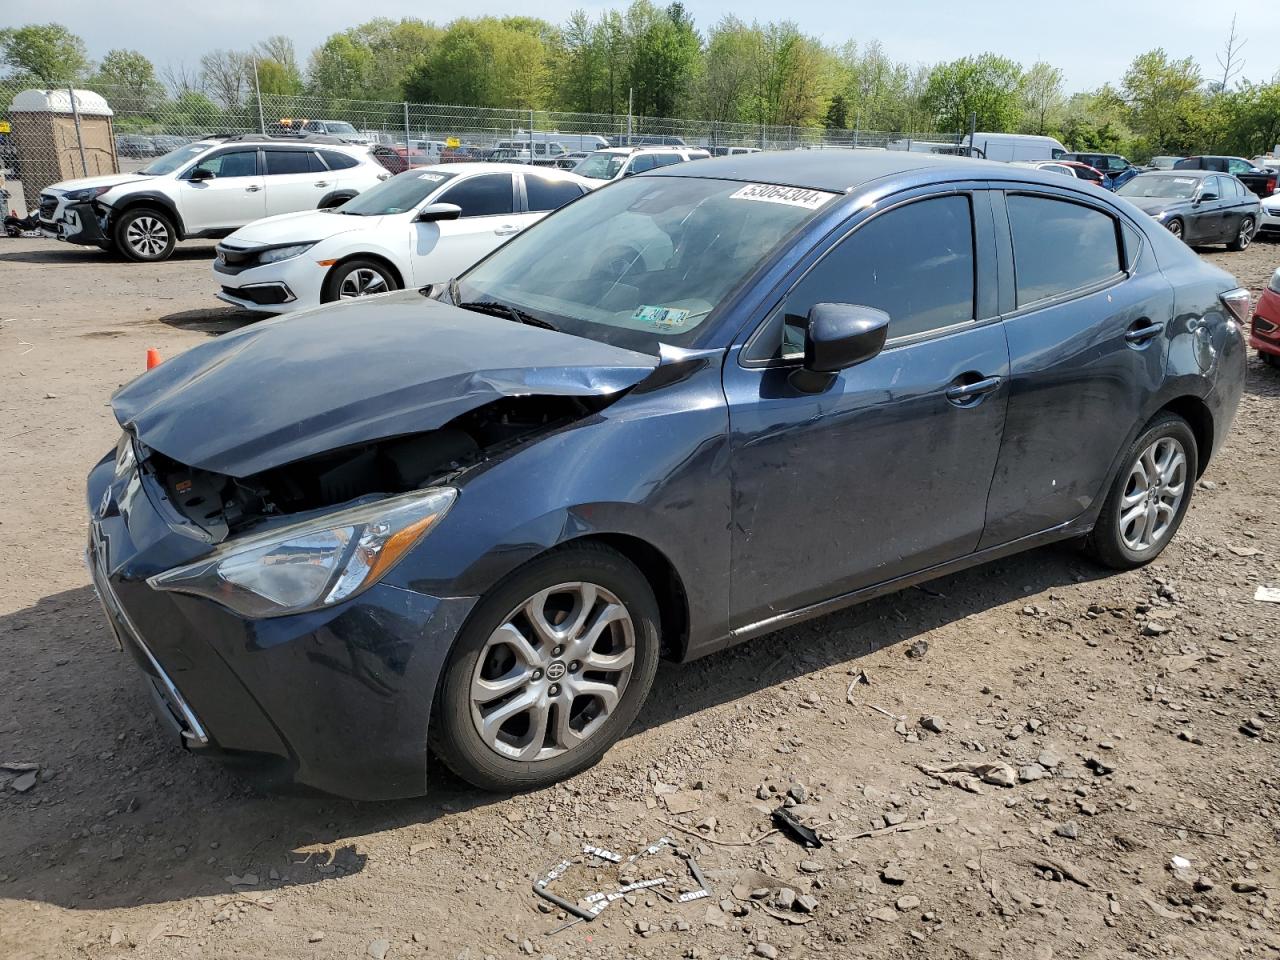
point(1060, 246)
point(338, 161)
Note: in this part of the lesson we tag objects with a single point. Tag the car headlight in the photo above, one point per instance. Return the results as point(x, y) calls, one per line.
point(1274, 285)
point(313, 564)
point(284, 253)
point(88, 193)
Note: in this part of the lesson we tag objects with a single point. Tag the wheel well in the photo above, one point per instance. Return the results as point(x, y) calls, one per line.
point(1196, 413)
point(367, 256)
point(667, 586)
point(150, 203)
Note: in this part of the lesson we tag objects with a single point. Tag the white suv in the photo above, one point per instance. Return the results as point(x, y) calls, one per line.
point(614, 163)
point(208, 188)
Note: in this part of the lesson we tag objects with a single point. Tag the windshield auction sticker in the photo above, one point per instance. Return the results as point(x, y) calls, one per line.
point(791, 196)
point(664, 318)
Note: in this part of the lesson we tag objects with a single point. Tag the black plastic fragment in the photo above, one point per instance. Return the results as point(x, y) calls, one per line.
point(788, 824)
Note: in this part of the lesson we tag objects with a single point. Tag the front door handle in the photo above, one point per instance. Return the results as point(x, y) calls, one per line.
point(252, 189)
point(321, 183)
point(968, 394)
point(1141, 331)
point(506, 230)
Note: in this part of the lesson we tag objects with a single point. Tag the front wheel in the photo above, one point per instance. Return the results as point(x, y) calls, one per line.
point(1174, 226)
point(550, 670)
point(358, 278)
point(1149, 497)
point(1244, 236)
point(144, 235)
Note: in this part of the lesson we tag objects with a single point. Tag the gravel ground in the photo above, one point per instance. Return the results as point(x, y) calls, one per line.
point(1135, 714)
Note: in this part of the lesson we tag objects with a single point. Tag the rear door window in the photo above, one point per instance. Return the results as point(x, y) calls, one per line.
point(667, 159)
point(543, 193)
point(914, 262)
point(489, 195)
point(1060, 246)
point(281, 162)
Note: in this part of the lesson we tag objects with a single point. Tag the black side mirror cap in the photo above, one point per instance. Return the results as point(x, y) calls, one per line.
point(434, 212)
point(1204, 197)
point(199, 174)
point(843, 335)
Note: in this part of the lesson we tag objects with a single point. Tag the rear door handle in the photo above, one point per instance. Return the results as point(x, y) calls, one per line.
point(965, 394)
point(321, 183)
point(252, 189)
point(1142, 331)
point(506, 230)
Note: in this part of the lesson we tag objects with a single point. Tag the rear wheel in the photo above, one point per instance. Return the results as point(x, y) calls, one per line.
point(358, 278)
point(1149, 497)
point(144, 234)
point(550, 670)
point(1270, 359)
point(1244, 236)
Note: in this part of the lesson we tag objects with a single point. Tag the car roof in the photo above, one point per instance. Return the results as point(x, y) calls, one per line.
point(480, 166)
point(838, 171)
point(1201, 174)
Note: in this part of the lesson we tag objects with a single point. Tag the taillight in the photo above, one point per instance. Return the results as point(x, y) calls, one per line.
point(1271, 183)
point(1237, 301)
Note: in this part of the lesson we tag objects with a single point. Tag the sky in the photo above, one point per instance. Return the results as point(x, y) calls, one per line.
point(1091, 43)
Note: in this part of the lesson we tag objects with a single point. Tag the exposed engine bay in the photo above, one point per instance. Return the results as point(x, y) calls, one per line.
point(224, 506)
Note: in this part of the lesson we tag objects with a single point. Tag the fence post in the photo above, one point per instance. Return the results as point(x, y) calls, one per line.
point(257, 93)
point(530, 138)
point(408, 143)
point(630, 94)
point(75, 115)
point(973, 131)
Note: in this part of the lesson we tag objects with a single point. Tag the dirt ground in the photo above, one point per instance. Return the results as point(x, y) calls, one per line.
point(1138, 710)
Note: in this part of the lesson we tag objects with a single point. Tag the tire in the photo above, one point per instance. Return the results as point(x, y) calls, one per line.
point(1270, 359)
point(1117, 539)
point(1175, 226)
point(526, 755)
point(145, 235)
point(1244, 236)
point(358, 278)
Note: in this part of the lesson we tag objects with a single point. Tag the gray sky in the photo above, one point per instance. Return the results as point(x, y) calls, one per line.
point(1091, 42)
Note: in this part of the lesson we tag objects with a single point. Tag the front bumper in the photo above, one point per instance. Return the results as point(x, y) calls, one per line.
point(274, 288)
point(79, 223)
point(336, 699)
point(1270, 222)
point(1264, 331)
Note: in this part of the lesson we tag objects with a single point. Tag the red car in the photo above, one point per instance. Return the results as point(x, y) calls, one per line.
point(1085, 172)
point(1265, 335)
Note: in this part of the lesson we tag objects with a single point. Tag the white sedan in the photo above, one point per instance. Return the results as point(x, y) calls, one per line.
point(422, 226)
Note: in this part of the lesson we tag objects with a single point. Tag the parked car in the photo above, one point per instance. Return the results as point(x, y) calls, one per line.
point(723, 151)
point(1007, 147)
point(475, 518)
point(643, 140)
point(1162, 163)
point(1067, 168)
point(336, 128)
point(570, 160)
point(1264, 334)
point(398, 159)
point(1115, 169)
point(1260, 180)
point(613, 163)
point(423, 226)
point(165, 142)
point(1197, 206)
point(205, 189)
point(1269, 224)
point(134, 145)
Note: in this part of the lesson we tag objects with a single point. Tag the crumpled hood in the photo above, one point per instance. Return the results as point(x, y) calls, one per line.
point(105, 180)
point(1154, 205)
point(285, 389)
point(302, 227)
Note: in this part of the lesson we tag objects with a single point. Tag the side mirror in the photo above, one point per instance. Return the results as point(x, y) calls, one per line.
point(842, 335)
point(1208, 195)
point(434, 212)
point(200, 174)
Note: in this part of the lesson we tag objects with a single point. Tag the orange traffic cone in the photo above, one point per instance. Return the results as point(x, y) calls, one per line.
point(153, 357)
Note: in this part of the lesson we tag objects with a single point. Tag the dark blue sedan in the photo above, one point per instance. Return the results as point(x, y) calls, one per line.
point(691, 408)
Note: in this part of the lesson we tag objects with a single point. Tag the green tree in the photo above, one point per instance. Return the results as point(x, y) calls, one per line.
point(794, 76)
point(340, 68)
point(665, 57)
point(1251, 119)
point(47, 52)
point(227, 75)
point(1042, 98)
point(397, 48)
point(987, 85)
point(131, 75)
point(278, 72)
point(1165, 103)
point(484, 62)
point(725, 85)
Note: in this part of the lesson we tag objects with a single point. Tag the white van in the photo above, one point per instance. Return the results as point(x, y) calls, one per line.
point(1008, 147)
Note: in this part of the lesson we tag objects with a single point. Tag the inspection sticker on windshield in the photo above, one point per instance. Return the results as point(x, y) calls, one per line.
point(433, 177)
point(664, 318)
point(791, 196)
point(1184, 180)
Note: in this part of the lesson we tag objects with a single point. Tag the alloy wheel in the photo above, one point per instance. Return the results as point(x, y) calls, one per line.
point(553, 672)
point(1152, 495)
point(1175, 227)
point(1245, 236)
point(147, 236)
point(362, 282)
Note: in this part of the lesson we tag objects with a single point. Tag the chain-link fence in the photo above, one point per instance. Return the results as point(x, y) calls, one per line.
point(119, 129)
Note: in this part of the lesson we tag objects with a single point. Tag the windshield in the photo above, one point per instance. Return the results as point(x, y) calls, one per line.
point(1171, 187)
point(400, 194)
point(174, 159)
point(643, 261)
point(600, 166)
